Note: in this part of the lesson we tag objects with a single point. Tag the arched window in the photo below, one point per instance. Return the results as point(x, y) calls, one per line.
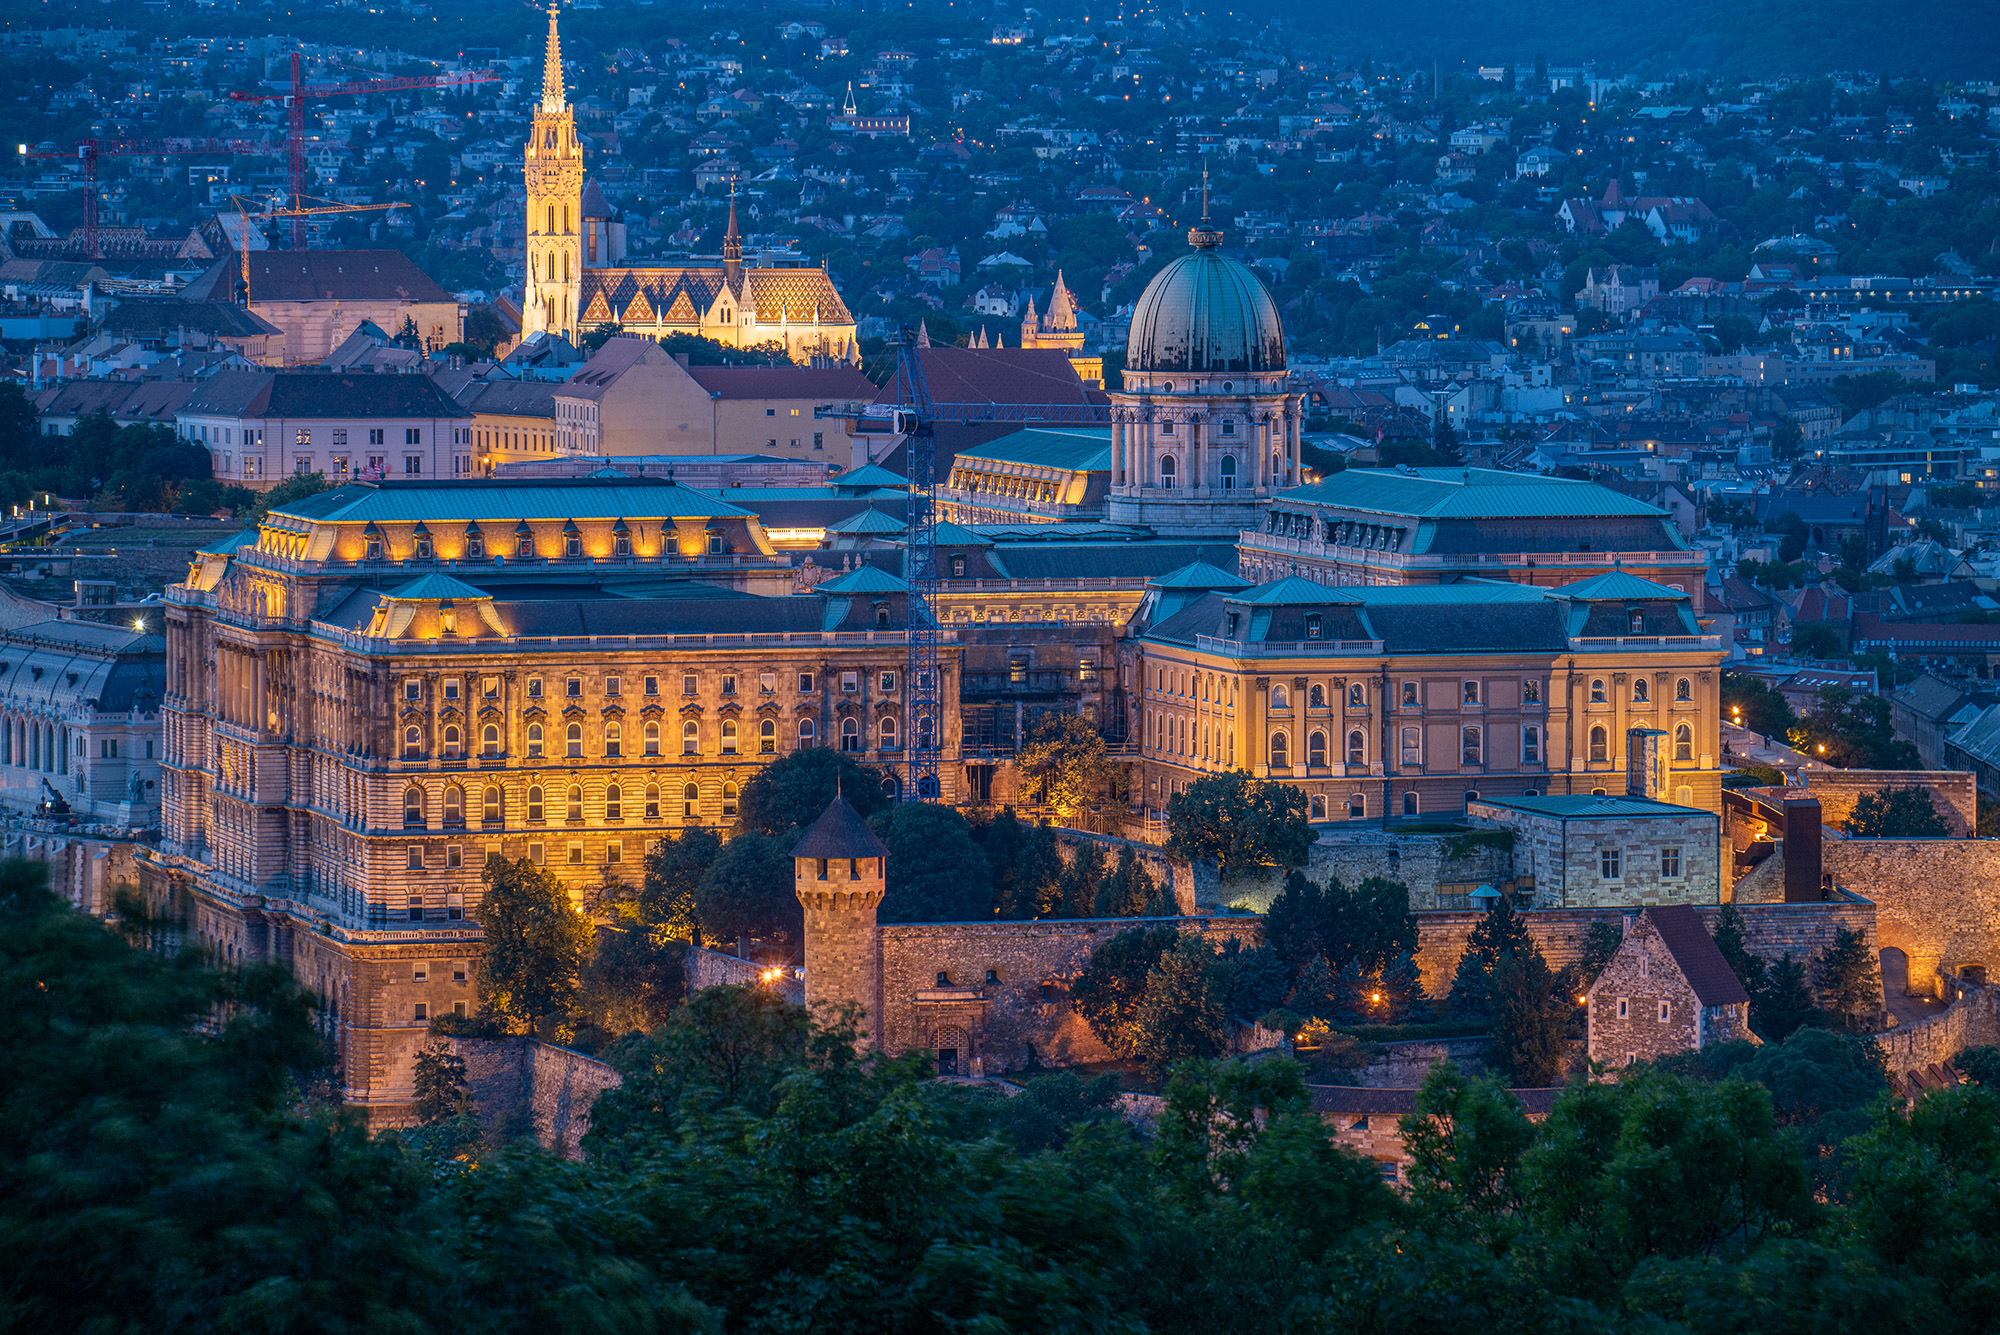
point(535, 803)
point(887, 728)
point(573, 741)
point(808, 733)
point(1597, 690)
point(1166, 470)
point(1316, 696)
point(489, 808)
point(1683, 742)
point(729, 737)
point(1639, 692)
point(413, 744)
point(690, 795)
point(614, 803)
point(652, 801)
point(413, 805)
point(1409, 804)
point(550, 142)
point(850, 734)
point(1357, 696)
point(534, 741)
point(489, 740)
point(1281, 752)
point(1472, 750)
point(767, 737)
point(454, 805)
point(1683, 690)
point(1638, 622)
point(1280, 697)
point(728, 800)
point(1316, 748)
point(1357, 747)
point(614, 740)
point(1229, 475)
point(690, 738)
point(451, 743)
point(1600, 746)
point(652, 739)
point(573, 803)
point(1319, 806)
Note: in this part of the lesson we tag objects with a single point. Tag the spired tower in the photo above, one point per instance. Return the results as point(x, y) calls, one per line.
point(553, 168)
point(839, 868)
point(1205, 430)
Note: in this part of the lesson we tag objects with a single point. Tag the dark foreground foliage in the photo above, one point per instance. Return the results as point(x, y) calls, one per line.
point(163, 1168)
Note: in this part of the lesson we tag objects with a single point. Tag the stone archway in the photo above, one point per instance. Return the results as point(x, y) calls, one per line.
point(1895, 966)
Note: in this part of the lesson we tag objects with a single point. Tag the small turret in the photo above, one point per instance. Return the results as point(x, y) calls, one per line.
point(839, 869)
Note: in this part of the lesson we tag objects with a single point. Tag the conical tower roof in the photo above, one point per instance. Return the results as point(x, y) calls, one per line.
point(553, 99)
point(839, 833)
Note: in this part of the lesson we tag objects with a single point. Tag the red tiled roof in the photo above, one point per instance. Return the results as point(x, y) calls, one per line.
point(839, 383)
point(1025, 376)
point(340, 275)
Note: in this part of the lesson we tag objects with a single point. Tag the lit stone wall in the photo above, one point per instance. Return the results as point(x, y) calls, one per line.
point(1954, 794)
point(1937, 900)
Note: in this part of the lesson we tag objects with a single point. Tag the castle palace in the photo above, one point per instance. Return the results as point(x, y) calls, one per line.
point(577, 279)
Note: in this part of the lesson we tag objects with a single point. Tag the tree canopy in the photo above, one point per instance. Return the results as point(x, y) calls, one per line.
point(1240, 823)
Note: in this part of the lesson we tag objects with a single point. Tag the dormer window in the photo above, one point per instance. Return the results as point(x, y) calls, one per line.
point(716, 546)
point(374, 549)
point(623, 545)
point(1638, 621)
point(475, 546)
point(1234, 618)
point(1312, 625)
point(420, 547)
point(573, 545)
point(524, 545)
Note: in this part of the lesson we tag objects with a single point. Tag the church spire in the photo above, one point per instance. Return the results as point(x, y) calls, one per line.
point(553, 99)
point(732, 247)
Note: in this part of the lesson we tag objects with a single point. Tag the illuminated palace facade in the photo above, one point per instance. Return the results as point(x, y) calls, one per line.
point(577, 279)
point(384, 685)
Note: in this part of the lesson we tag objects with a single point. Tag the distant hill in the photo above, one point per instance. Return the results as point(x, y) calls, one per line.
point(1938, 38)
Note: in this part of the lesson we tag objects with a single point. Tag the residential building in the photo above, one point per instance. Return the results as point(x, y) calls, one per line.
point(1667, 989)
point(260, 427)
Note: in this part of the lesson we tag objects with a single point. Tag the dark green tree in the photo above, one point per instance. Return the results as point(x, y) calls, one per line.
point(1182, 1010)
point(1896, 813)
point(1240, 823)
point(747, 892)
point(669, 889)
point(1108, 991)
point(1847, 978)
point(441, 1088)
point(1600, 943)
point(791, 792)
point(635, 978)
point(1784, 1002)
point(536, 944)
point(1129, 891)
point(937, 872)
point(1081, 883)
point(1502, 931)
point(1025, 863)
point(1531, 1020)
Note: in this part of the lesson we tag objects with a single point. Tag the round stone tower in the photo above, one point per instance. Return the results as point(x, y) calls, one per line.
point(838, 868)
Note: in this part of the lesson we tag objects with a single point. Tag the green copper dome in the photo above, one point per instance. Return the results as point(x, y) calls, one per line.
point(1205, 314)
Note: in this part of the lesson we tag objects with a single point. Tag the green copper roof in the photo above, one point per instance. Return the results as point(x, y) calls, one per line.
point(1199, 575)
point(1464, 593)
point(1205, 314)
point(868, 475)
point(1294, 591)
point(958, 535)
point(459, 502)
point(864, 579)
point(437, 587)
point(1583, 807)
point(1073, 449)
point(1617, 587)
point(870, 520)
point(1467, 493)
point(227, 546)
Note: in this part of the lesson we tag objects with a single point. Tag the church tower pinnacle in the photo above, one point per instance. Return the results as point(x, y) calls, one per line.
point(553, 171)
point(732, 249)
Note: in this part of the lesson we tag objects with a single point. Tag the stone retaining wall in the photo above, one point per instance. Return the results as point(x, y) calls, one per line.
point(521, 1084)
point(1937, 900)
point(712, 968)
point(1973, 1020)
point(1953, 793)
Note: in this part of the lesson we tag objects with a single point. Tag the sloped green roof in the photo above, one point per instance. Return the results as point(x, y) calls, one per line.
point(865, 579)
point(437, 587)
point(1467, 493)
point(1075, 449)
point(1294, 591)
point(870, 520)
point(227, 546)
point(1610, 804)
point(459, 502)
point(868, 475)
point(1199, 575)
point(958, 535)
point(1617, 586)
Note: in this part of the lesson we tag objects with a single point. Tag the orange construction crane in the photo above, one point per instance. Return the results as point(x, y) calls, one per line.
point(295, 107)
point(90, 150)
